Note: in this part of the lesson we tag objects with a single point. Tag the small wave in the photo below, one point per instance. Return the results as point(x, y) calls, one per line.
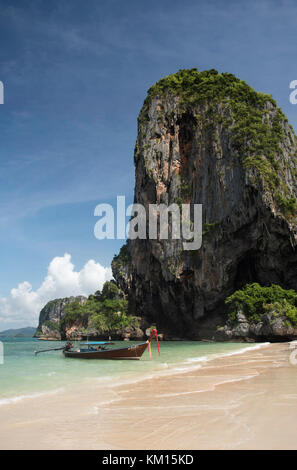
point(198, 359)
point(18, 398)
point(227, 354)
point(185, 369)
point(106, 402)
point(211, 388)
point(190, 365)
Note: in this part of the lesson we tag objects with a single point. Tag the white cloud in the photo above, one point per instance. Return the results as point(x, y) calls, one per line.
point(23, 305)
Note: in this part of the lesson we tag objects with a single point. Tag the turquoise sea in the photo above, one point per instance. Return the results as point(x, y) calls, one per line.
point(24, 374)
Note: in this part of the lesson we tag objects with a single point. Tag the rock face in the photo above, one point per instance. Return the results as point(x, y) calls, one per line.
point(272, 327)
point(210, 139)
point(52, 327)
point(50, 318)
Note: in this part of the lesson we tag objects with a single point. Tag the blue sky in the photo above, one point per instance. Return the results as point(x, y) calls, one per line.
point(75, 76)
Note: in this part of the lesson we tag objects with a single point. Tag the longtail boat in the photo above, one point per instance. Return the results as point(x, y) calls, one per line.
point(103, 349)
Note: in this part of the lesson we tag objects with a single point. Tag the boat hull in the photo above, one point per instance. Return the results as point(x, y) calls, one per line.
point(130, 352)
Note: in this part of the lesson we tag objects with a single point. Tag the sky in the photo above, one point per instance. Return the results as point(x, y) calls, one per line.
point(75, 76)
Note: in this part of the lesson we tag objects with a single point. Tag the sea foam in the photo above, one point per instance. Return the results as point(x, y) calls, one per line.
point(18, 398)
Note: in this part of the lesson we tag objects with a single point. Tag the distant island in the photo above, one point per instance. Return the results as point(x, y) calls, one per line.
point(26, 332)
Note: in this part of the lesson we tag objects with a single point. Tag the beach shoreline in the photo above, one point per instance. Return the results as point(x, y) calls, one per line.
point(241, 400)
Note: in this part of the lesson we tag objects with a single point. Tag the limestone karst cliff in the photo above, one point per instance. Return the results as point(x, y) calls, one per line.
point(101, 315)
point(51, 316)
point(209, 138)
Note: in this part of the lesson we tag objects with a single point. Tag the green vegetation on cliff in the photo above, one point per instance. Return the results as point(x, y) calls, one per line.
point(104, 311)
point(195, 87)
point(257, 125)
point(53, 325)
point(288, 205)
point(122, 259)
point(255, 300)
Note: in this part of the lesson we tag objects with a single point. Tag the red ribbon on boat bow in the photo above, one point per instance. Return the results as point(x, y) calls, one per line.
point(157, 342)
point(157, 339)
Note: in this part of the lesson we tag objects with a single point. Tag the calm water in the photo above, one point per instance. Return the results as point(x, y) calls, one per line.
point(23, 373)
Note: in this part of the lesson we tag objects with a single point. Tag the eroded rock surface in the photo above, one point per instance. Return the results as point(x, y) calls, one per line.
point(210, 139)
point(51, 316)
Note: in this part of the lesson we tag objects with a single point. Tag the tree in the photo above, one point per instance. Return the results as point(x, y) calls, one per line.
point(255, 300)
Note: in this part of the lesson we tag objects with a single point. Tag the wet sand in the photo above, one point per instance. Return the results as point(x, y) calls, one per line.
point(241, 401)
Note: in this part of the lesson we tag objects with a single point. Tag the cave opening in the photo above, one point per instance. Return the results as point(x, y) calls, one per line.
point(246, 271)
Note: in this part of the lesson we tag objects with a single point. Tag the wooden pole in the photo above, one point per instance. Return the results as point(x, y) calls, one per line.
point(46, 350)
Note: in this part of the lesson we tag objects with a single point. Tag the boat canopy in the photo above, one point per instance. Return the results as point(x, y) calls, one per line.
point(92, 343)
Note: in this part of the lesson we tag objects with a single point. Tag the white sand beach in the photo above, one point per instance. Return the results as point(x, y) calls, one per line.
point(241, 401)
